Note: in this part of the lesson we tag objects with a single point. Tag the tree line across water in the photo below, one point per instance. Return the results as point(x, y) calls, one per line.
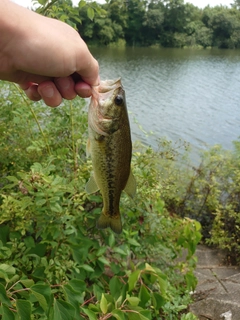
point(166, 23)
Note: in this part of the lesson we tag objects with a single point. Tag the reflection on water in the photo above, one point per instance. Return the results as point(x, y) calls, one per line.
point(189, 94)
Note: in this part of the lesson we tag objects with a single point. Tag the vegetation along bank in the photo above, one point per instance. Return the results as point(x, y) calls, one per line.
point(167, 23)
point(54, 264)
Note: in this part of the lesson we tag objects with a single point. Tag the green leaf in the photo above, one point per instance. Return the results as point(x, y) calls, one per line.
point(90, 13)
point(145, 314)
point(4, 232)
point(144, 296)
point(37, 167)
point(29, 242)
point(39, 273)
point(81, 4)
point(158, 301)
point(149, 268)
point(118, 314)
point(7, 314)
point(111, 240)
point(76, 18)
point(40, 202)
point(87, 268)
point(41, 299)
point(24, 309)
point(39, 250)
point(3, 275)
point(13, 179)
point(3, 296)
point(43, 294)
point(103, 304)
point(137, 316)
point(55, 207)
point(163, 285)
point(27, 283)
point(75, 298)
point(120, 251)
point(133, 316)
point(89, 313)
point(101, 251)
point(77, 285)
point(43, 289)
point(191, 280)
point(132, 280)
point(8, 269)
point(42, 2)
point(63, 310)
point(115, 286)
point(134, 301)
point(104, 261)
point(133, 242)
point(119, 301)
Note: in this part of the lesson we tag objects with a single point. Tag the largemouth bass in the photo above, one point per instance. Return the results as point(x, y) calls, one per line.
point(110, 147)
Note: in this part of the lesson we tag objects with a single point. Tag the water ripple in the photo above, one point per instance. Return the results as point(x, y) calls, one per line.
point(188, 94)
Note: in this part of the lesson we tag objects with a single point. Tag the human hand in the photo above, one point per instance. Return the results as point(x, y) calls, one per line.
point(46, 57)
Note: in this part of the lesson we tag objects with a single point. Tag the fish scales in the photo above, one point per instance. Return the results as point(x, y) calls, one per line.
point(110, 148)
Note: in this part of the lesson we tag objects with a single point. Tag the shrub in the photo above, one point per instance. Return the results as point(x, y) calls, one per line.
point(208, 192)
point(54, 263)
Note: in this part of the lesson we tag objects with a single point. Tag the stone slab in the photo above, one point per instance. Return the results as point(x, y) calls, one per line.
point(218, 289)
point(212, 309)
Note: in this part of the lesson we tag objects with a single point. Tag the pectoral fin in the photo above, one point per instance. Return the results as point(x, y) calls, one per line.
point(91, 186)
point(131, 185)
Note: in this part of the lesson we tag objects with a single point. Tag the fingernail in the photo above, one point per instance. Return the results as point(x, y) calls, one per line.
point(48, 91)
point(97, 83)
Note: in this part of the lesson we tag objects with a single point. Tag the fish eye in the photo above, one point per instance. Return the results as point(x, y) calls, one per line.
point(119, 100)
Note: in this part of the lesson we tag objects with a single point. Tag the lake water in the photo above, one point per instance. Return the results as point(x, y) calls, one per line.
point(186, 94)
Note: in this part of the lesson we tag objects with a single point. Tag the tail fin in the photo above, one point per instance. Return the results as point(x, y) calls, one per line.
point(114, 223)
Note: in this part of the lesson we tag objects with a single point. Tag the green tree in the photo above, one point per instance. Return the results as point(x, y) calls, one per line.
point(107, 26)
point(224, 23)
point(117, 13)
point(59, 9)
point(236, 4)
point(135, 16)
point(170, 23)
point(204, 36)
point(175, 17)
point(153, 22)
point(175, 22)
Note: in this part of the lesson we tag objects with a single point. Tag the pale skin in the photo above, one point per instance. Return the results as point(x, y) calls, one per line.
point(46, 57)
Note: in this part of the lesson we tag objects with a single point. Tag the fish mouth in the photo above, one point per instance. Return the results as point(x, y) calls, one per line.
point(102, 92)
point(109, 85)
point(105, 89)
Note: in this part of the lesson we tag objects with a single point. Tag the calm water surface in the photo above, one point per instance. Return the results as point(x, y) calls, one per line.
point(179, 93)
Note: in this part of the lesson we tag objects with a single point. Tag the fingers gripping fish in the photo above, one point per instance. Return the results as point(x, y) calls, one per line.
point(110, 147)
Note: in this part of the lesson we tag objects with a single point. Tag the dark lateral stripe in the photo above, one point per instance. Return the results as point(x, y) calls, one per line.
point(111, 202)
